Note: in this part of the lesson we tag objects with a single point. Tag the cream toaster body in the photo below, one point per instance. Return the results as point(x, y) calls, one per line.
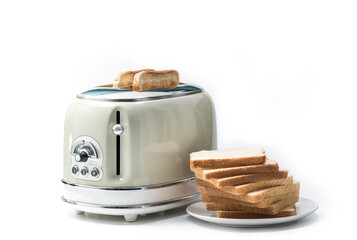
point(127, 153)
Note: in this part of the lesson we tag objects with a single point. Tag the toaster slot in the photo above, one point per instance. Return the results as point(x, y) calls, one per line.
point(118, 145)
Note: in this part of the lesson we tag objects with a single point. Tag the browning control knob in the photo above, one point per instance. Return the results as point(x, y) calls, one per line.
point(86, 158)
point(82, 156)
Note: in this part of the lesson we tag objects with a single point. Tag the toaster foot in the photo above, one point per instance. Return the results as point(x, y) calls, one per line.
point(130, 217)
point(78, 211)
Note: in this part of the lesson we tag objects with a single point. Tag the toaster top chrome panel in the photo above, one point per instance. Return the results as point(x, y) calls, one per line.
point(108, 93)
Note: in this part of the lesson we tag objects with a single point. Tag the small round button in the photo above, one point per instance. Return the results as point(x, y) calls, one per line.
point(118, 129)
point(84, 171)
point(95, 172)
point(75, 169)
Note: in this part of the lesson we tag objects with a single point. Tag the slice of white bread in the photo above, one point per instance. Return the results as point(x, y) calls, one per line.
point(273, 209)
point(268, 166)
point(255, 196)
point(266, 202)
point(249, 187)
point(286, 212)
point(124, 80)
point(150, 80)
point(227, 158)
point(246, 178)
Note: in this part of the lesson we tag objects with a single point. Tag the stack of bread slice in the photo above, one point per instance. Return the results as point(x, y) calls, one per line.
point(243, 183)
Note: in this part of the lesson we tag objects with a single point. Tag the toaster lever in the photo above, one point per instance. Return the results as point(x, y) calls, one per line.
point(118, 129)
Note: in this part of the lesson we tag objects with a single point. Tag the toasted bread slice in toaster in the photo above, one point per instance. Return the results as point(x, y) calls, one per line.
point(151, 80)
point(124, 80)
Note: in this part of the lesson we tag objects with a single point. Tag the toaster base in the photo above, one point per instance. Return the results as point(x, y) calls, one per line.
point(130, 213)
point(131, 202)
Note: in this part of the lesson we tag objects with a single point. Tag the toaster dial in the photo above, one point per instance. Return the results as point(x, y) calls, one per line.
point(86, 157)
point(82, 156)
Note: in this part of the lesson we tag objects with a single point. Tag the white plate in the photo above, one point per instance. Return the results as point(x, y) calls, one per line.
point(303, 208)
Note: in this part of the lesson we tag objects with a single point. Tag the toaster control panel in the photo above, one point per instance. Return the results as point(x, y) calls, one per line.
point(87, 159)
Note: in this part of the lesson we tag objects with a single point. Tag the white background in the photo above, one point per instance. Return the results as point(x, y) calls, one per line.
point(282, 75)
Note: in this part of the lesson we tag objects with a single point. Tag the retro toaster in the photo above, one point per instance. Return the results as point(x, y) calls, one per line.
point(127, 153)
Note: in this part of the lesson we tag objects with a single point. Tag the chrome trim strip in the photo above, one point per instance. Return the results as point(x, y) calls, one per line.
point(179, 94)
point(154, 186)
point(147, 205)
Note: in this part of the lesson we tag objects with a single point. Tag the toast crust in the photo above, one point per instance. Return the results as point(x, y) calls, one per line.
point(286, 212)
point(249, 187)
point(268, 166)
point(246, 178)
point(233, 157)
point(261, 204)
point(255, 196)
point(151, 80)
point(225, 163)
point(124, 80)
point(273, 209)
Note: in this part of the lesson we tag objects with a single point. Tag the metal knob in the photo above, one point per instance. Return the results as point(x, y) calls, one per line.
point(95, 172)
point(75, 169)
point(118, 129)
point(82, 156)
point(84, 171)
